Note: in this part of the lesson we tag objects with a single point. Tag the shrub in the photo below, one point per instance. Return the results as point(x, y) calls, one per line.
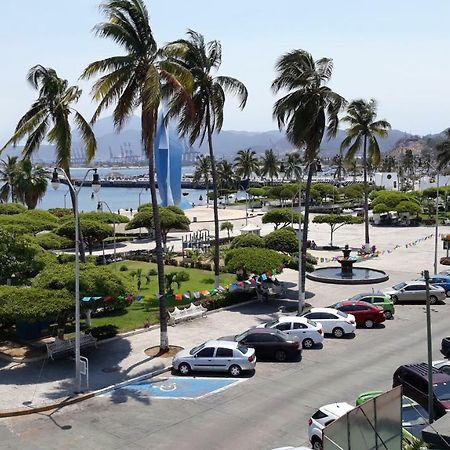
point(283, 240)
point(123, 268)
point(247, 240)
point(103, 331)
point(281, 217)
point(227, 299)
point(11, 208)
point(51, 241)
point(252, 260)
point(152, 272)
point(61, 212)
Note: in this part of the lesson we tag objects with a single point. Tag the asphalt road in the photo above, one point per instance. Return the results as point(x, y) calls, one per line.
point(269, 409)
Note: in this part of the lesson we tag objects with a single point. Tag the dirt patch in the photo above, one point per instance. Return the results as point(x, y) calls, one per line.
point(154, 352)
point(15, 350)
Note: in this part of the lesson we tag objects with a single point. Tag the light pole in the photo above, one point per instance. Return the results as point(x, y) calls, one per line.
point(140, 193)
point(426, 276)
point(65, 196)
point(301, 291)
point(95, 187)
point(99, 207)
point(436, 233)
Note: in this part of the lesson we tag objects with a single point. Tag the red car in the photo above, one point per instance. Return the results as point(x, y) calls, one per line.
point(365, 313)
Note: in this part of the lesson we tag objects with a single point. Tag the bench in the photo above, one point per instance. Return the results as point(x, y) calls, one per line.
point(180, 315)
point(59, 346)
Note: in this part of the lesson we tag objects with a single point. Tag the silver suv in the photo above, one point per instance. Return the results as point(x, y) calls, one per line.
point(415, 291)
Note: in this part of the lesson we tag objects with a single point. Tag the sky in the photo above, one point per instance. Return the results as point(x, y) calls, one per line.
point(393, 51)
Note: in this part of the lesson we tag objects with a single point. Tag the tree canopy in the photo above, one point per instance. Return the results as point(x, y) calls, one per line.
point(283, 240)
point(247, 240)
point(336, 221)
point(281, 217)
point(253, 260)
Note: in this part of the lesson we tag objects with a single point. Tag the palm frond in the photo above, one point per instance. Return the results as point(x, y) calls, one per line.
point(87, 136)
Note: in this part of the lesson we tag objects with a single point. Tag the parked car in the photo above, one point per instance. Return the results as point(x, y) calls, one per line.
point(269, 343)
point(415, 291)
point(308, 331)
point(442, 365)
point(321, 418)
point(440, 280)
point(333, 321)
point(377, 299)
point(414, 416)
point(220, 356)
point(445, 347)
point(365, 314)
point(414, 380)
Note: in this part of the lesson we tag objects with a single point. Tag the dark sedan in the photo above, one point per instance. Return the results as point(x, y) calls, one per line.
point(445, 347)
point(269, 343)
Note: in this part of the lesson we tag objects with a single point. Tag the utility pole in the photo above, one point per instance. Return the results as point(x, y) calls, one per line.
point(426, 276)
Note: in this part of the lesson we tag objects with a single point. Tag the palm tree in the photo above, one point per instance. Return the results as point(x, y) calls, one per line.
point(202, 172)
point(8, 176)
point(293, 166)
point(208, 97)
point(141, 77)
point(48, 118)
point(246, 163)
point(228, 226)
point(269, 165)
point(225, 175)
point(363, 132)
point(306, 111)
point(338, 161)
point(31, 183)
point(443, 151)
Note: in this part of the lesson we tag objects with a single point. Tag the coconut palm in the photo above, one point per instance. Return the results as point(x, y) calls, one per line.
point(8, 177)
point(269, 165)
point(307, 110)
point(225, 175)
point(293, 166)
point(246, 163)
point(363, 132)
point(338, 162)
point(202, 172)
point(49, 118)
point(443, 151)
point(228, 226)
point(141, 77)
point(203, 60)
point(31, 183)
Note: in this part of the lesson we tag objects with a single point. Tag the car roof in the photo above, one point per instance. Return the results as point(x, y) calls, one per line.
point(297, 319)
point(223, 344)
point(337, 409)
point(328, 310)
point(422, 370)
point(355, 302)
point(263, 331)
point(370, 294)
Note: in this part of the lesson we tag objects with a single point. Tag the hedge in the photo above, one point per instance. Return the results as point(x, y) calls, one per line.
point(247, 240)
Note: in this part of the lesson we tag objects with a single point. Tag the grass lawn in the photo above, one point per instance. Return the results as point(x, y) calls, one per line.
point(148, 309)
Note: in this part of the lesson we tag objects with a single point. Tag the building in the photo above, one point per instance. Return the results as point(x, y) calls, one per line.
point(387, 180)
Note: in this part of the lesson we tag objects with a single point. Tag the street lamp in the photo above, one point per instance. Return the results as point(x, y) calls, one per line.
point(140, 193)
point(99, 208)
point(436, 220)
point(301, 291)
point(55, 182)
point(426, 276)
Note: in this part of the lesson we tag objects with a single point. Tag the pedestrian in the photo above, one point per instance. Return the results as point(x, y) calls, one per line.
point(131, 212)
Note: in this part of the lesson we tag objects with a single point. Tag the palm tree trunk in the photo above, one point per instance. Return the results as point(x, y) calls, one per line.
point(216, 211)
point(306, 222)
point(366, 194)
point(149, 122)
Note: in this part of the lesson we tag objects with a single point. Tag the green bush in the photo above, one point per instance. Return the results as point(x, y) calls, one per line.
point(227, 299)
point(11, 208)
point(64, 258)
point(30, 221)
point(246, 261)
point(102, 332)
point(61, 212)
point(123, 268)
point(51, 241)
point(283, 240)
point(247, 240)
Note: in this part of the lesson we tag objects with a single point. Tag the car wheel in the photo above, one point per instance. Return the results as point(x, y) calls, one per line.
point(388, 315)
point(235, 370)
point(316, 444)
point(447, 293)
point(368, 323)
point(280, 355)
point(184, 369)
point(338, 332)
point(308, 343)
point(394, 299)
point(433, 300)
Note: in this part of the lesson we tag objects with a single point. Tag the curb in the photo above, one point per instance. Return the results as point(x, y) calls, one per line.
point(80, 398)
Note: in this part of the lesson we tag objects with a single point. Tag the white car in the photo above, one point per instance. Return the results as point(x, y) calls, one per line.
point(220, 356)
point(443, 365)
point(321, 418)
point(333, 321)
point(306, 330)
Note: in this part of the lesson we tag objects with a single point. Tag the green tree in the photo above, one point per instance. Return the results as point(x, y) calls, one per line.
point(380, 208)
point(11, 209)
point(175, 279)
point(281, 217)
point(31, 183)
point(336, 221)
point(363, 132)
point(408, 207)
point(227, 226)
point(293, 166)
point(202, 172)
point(283, 240)
point(8, 177)
point(248, 260)
point(49, 119)
point(225, 175)
point(246, 164)
point(203, 60)
point(269, 165)
point(307, 110)
point(140, 77)
point(443, 151)
point(338, 162)
point(247, 240)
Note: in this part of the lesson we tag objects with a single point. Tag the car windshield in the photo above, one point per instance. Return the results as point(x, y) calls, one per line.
point(357, 297)
point(413, 415)
point(242, 349)
point(311, 322)
point(336, 305)
point(442, 391)
point(271, 324)
point(241, 336)
point(399, 286)
point(196, 349)
point(342, 314)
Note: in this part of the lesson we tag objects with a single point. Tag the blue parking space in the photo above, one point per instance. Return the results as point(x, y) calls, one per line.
point(181, 387)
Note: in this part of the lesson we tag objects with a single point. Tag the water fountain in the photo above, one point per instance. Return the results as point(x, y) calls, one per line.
point(346, 273)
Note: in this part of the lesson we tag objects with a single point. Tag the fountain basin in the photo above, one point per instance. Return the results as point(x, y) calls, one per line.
point(358, 275)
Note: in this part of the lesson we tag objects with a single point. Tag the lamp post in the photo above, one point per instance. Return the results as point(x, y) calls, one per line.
point(65, 196)
point(436, 233)
point(301, 291)
point(99, 207)
point(95, 187)
point(140, 193)
point(426, 276)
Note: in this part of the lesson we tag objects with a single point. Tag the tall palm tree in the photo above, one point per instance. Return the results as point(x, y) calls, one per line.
point(202, 172)
point(363, 132)
point(443, 151)
point(140, 78)
point(8, 177)
point(269, 165)
point(246, 164)
point(203, 60)
point(338, 162)
point(293, 166)
point(49, 118)
point(225, 175)
point(31, 183)
point(307, 110)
